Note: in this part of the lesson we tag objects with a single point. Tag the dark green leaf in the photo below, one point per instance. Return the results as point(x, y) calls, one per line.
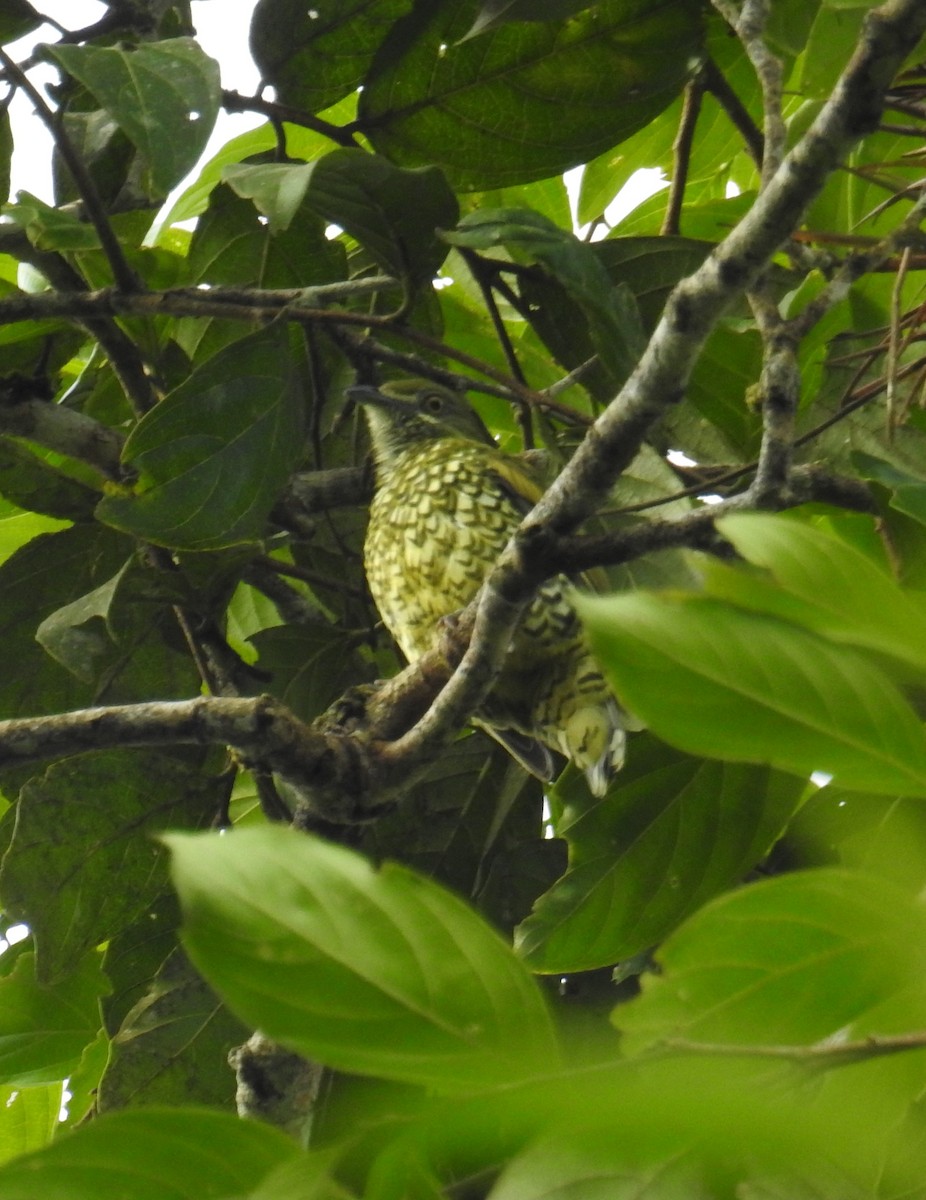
point(44, 1029)
point(172, 1048)
point(500, 12)
point(671, 833)
point(378, 972)
point(313, 56)
point(216, 452)
point(17, 19)
point(44, 575)
point(525, 101)
point(86, 822)
point(715, 680)
point(36, 485)
point(613, 320)
point(393, 213)
point(164, 95)
point(309, 666)
point(158, 1154)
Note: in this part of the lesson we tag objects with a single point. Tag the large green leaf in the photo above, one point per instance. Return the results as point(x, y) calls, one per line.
point(379, 972)
point(842, 593)
point(394, 213)
point(214, 455)
point(315, 55)
point(82, 823)
point(671, 833)
point(791, 960)
point(43, 1028)
point(524, 101)
point(164, 95)
point(158, 1154)
point(714, 680)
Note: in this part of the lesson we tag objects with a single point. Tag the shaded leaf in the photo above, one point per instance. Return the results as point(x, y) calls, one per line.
point(164, 95)
point(712, 679)
point(394, 213)
point(215, 453)
point(306, 941)
point(172, 1048)
point(671, 833)
point(36, 485)
point(84, 823)
point(610, 310)
point(500, 12)
point(525, 101)
point(47, 573)
point(309, 666)
point(314, 56)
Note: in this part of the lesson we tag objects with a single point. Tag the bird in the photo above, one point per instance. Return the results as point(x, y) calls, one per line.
point(446, 503)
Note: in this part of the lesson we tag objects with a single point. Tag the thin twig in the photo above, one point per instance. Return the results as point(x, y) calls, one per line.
point(681, 154)
point(716, 83)
point(236, 102)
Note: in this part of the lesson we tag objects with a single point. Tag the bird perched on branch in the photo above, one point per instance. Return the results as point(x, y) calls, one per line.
point(447, 502)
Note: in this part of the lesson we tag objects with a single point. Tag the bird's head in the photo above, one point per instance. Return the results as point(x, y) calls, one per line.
point(405, 412)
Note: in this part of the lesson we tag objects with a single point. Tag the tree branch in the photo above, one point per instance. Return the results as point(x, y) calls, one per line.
point(821, 1055)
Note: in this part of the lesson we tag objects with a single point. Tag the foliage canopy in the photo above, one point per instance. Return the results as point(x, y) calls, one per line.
point(633, 1004)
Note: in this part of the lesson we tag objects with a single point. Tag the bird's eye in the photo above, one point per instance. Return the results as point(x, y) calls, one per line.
point(432, 403)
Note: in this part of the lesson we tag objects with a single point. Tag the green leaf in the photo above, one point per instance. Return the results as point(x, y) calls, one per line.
point(157, 1154)
point(17, 19)
point(49, 228)
point(43, 1028)
point(214, 455)
point(671, 833)
point(36, 485)
point(380, 972)
point(714, 680)
point(392, 212)
point(843, 594)
point(525, 101)
point(82, 823)
point(28, 1117)
point(310, 666)
point(499, 12)
point(610, 310)
point(48, 572)
point(788, 961)
point(173, 1046)
point(301, 143)
point(164, 95)
point(314, 56)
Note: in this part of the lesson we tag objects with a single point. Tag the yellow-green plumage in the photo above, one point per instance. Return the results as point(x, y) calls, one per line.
point(446, 505)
